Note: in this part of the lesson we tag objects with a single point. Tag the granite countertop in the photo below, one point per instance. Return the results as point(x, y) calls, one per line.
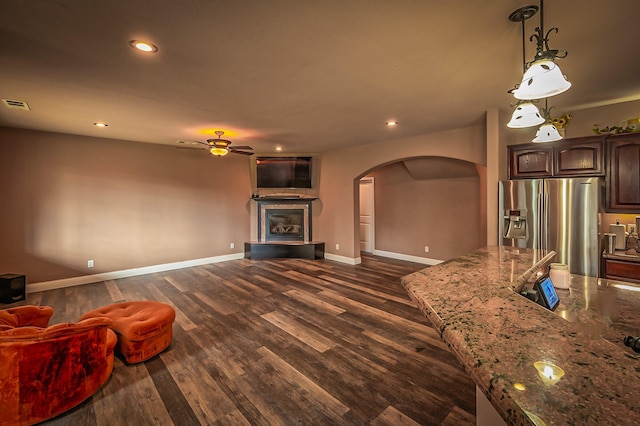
point(625, 255)
point(497, 335)
point(602, 308)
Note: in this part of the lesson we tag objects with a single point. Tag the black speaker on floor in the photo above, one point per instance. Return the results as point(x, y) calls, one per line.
point(12, 288)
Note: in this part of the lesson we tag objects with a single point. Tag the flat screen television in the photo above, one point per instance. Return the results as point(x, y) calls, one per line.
point(283, 172)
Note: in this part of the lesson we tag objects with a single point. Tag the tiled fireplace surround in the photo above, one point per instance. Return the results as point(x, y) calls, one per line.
point(284, 221)
point(284, 229)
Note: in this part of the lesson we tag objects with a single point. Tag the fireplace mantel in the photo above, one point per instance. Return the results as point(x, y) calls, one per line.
point(282, 198)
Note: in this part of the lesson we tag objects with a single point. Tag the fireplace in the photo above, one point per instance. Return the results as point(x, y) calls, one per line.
point(284, 230)
point(284, 221)
point(284, 225)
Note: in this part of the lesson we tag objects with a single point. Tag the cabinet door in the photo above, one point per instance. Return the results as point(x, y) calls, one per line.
point(623, 179)
point(528, 162)
point(581, 157)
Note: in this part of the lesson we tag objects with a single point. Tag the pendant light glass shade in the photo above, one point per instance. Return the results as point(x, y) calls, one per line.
point(547, 133)
point(526, 114)
point(543, 79)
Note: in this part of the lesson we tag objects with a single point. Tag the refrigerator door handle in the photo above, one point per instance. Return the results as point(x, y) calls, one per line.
point(538, 241)
point(545, 220)
point(540, 223)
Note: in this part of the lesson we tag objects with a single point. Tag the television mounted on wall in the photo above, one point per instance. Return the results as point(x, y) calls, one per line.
point(283, 172)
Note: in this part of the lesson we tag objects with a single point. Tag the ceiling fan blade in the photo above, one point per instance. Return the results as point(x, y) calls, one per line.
point(241, 147)
point(233, 151)
point(193, 143)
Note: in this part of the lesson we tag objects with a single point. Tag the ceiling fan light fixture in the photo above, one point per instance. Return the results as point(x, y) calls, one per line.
point(542, 80)
point(547, 133)
point(219, 152)
point(526, 114)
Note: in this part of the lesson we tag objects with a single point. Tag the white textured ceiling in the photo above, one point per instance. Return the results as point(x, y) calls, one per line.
point(307, 75)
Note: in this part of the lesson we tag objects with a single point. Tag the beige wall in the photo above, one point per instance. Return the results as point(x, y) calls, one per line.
point(338, 223)
point(413, 213)
point(67, 199)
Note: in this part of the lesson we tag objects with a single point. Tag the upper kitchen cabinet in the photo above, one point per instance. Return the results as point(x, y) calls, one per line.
point(530, 161)
point(623, 174)
point(576, 157)
point(579, 157)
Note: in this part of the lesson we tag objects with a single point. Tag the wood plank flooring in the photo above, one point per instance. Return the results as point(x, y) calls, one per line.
point(277, 342)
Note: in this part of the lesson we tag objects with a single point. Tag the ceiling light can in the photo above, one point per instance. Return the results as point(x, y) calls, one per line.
point(143, 46)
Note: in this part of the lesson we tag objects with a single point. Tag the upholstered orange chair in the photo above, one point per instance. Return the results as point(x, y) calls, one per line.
point(144, 327)
point(47, 371)
point(24, 316)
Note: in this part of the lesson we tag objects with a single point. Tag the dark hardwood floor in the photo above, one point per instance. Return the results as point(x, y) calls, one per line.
point(277, 342)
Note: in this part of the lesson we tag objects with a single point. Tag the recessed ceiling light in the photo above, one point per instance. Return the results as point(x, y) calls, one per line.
point(143, 46)
point(278, 148)
point(391, 123)
point(100, 124)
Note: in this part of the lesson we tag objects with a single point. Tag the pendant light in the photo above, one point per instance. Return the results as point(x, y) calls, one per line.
point(543, 77)
point(547, 132)
point(526, 113)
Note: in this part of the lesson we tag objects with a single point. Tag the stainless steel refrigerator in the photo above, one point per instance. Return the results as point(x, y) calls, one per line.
point(554, 214)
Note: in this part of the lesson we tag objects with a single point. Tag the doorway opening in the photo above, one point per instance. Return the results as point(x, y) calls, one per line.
point(367, 215)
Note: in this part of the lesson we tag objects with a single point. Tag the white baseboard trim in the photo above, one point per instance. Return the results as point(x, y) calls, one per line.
point(343, 259)
point(407, 257)
point(86, 279)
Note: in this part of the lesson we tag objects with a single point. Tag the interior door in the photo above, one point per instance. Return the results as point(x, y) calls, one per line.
point(367, 210)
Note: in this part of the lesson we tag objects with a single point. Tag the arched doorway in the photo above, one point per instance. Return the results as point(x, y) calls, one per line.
point(427, 209)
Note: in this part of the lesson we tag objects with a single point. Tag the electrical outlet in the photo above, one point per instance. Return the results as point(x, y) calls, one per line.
point(426, 249)
point(232, 245)
point(337, 246)
point(90, 263)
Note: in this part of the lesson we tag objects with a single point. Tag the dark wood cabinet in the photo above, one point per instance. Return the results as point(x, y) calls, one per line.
point(623, 177)
point(580, 157)
point(530, 161)
point(566, 158)
point(621, 270)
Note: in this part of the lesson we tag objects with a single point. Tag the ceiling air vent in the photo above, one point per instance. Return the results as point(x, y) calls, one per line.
point(13, 104)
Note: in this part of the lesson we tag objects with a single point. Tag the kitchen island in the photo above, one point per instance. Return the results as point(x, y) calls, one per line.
point(473, 301)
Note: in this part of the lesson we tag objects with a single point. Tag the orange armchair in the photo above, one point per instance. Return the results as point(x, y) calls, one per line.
point(24, 316)
point(47, 371)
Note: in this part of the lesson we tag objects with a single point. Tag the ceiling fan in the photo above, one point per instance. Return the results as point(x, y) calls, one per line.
point(221, 147)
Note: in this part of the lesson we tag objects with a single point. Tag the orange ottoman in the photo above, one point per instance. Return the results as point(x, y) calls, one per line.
point(144, 328)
